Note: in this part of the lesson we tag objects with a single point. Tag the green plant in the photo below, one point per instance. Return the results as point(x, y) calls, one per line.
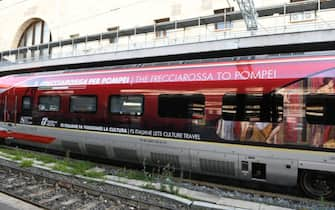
point(67, 154)
point(61, 167)
point(46, 158)
point(167, 171)
point(322, 199)
point(132, 174)
point(16, 154)
point(77, 168)
point(149, 186)
point(173, 189)
point(147, 176)
point(16, 157)
point(26, 163)
point(163, 188)
point(94, 174)
point(67, 165)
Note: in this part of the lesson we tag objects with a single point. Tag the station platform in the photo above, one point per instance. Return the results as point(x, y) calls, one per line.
point(10, 203)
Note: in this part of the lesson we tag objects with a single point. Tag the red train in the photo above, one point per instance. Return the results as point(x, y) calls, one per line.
point(268, 120)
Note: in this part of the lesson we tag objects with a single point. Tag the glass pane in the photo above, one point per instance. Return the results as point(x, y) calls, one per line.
point(181, 106)
point(83, 104)
point(29, 34)
point(26, 103)
point(126, 105)
point(319, 109)
point(46, 34)
point(38, 28)
point(229, 107)
point(255, 108)
point(49, 103)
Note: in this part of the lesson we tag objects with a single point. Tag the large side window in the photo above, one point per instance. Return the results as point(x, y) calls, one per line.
point(320, 109)
point(49, 103)
point(181, 106)
point(256, 107)
point(126, 104)
point(26, 104)
point(83, 104)
point(230, 108)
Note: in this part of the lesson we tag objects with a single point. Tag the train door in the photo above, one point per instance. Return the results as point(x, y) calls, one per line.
point(26, 106)
point(10, 106)
point(2, 106)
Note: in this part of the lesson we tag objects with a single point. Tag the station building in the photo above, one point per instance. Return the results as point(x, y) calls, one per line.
point(27, 23)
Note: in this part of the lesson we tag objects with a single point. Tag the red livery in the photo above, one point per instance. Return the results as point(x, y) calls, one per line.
point(269, 120)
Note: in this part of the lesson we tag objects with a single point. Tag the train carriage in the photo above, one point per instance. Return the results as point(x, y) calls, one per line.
point(267, 120)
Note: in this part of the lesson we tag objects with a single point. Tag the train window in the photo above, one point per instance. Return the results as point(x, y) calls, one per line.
point(126, 104)
point(26, 103)
point(49, 103)
point(181, 106)
point(319, 109)
point(253, 109)
point(229, 108)
point(256, 108)
point(83, 104)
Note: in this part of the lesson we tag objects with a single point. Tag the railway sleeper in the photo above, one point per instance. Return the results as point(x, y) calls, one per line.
point(91, 205)
point(34, 187)
point(70, 202)
point(64, 185)
point(20, 191)
point(14, 186)
point(41, 193)
point(53, 198)
point(317, 184)
point(87, 191)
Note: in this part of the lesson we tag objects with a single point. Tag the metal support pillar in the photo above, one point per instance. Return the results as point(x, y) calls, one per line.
point(249, 13)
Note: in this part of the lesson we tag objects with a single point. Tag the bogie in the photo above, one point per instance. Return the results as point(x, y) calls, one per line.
point(317, 184)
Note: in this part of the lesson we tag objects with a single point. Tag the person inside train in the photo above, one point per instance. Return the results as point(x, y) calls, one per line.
point(323, 135)
point(225, 129)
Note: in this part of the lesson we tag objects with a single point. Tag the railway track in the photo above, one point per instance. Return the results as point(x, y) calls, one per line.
point(55, 194)
point(52, 191)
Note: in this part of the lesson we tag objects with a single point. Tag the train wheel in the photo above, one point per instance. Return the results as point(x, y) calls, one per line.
point(317, 185)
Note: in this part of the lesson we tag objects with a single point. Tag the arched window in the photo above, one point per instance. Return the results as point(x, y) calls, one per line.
point(36, 33)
